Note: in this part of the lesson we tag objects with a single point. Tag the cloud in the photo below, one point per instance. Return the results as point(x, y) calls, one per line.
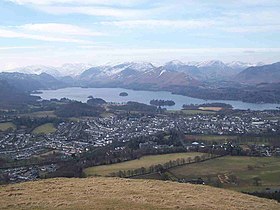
point(253, 29)
point(66, 29)
point(20, 48)
point(100, 8)
point(183, 24)
point(79, 2)
point(4, 33)
point(93, 11)
point(50, 32)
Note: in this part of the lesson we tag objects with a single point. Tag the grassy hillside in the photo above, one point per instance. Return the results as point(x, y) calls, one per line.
point(115, 193)
point(145, 162)
point(6, 126)
point(44, 129)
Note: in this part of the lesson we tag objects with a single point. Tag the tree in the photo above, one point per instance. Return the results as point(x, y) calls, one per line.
point(257, 181)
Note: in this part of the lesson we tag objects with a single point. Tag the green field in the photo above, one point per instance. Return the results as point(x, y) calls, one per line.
point(40, 114)
point(6, 126)
point(146, 161)
point(44, 129)
point(243, 168)
point(191, 112)
point(210, 137)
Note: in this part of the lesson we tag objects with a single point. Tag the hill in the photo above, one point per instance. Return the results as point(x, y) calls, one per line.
point(11, 97)
point(30, 82)
point(260, 74)
point(115, 193)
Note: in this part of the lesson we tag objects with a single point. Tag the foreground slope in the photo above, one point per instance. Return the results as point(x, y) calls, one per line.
point(115, 193)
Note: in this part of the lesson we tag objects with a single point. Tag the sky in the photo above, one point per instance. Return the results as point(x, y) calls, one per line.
point(53, 32)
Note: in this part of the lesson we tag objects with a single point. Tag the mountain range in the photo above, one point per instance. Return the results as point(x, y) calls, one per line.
point(214, 69)
point(67, 69)
point(206, 80)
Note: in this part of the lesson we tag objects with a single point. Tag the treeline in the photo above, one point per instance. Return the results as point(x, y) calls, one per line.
point(162, 102)
point(161, 168)
point(270, 195)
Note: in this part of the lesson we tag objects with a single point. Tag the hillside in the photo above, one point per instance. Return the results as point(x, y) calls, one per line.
point(114, 193)
point(30, 82)
point(260, 74)
point(13, 97)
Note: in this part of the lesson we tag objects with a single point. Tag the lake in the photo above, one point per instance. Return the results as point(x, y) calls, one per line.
point(112, 95)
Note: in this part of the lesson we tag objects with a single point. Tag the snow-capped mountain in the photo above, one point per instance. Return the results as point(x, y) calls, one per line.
point(238, 65)
point(73, 69)
point(174, 65)
point(67, 69)
point(114, 71)
point(128, 71)
point(37, 69)
point(212, 64)
point(135, 74)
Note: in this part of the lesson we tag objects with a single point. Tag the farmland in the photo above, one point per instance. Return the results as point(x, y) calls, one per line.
point(40, 114)
point(146, 161)
point(44, 129)
point(6, 126)
point(234, 172)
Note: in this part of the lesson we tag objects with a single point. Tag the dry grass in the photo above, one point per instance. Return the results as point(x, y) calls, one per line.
point(115, 193)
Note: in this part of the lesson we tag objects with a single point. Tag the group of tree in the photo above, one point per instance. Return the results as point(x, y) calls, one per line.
point(134, 106)
point(95, 101)
point(162, 102)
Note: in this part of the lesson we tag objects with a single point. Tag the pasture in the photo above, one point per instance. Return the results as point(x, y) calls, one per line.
point(145, 161)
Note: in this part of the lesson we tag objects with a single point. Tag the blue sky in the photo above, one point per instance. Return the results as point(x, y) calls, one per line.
point(53, 32)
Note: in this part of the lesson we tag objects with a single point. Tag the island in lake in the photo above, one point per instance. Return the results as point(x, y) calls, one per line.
point(123, 94)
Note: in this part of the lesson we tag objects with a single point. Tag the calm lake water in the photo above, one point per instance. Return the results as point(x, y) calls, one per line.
point(112, 95)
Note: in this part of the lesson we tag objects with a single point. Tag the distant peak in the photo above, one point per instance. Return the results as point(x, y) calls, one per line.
point(175, 63)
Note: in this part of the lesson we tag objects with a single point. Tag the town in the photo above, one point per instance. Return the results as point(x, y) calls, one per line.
point(72, 138)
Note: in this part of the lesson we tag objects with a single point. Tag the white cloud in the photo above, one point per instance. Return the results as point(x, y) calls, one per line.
point(4, 33)
point(20, 47)
point(90, 10)
point(57, 28)
point(252, 29)
point(183, 24)
point(101, 8)
point(50, 32)
point(80, 2)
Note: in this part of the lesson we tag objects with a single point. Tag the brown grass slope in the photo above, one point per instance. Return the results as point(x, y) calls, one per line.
point(115, 193)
